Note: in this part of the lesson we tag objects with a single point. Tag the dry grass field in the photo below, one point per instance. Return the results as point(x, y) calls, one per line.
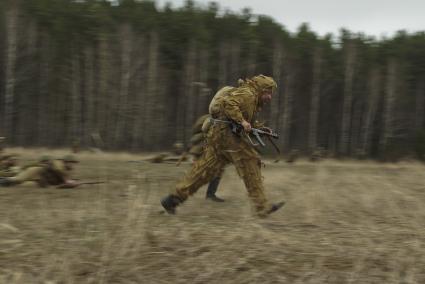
point(344, 222)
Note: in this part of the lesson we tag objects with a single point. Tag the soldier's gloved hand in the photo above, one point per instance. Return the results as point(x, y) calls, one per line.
point(246, 126)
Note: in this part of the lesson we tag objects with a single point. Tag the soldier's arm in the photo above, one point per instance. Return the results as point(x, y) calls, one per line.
point(233, 104)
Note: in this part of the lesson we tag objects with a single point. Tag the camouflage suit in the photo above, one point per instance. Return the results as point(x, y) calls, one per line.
point(223, 147)
point(43, 174)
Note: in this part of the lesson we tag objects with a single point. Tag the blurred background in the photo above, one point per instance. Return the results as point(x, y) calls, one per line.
point(131, 78)
point(137, 74)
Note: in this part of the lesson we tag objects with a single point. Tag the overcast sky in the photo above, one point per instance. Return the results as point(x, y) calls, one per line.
point(373, 17)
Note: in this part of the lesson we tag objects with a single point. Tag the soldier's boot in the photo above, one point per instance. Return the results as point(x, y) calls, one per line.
point(212, 189)
point(6, 182)
point(273, 208)
point(170, 203)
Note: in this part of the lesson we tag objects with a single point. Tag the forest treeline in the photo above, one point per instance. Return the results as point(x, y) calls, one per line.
point(138, 76)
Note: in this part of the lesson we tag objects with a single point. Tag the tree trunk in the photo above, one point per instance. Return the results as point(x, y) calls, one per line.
point(203, 89)
point(420, 108)
point(153, 105)
point(277, 74)
point(286, 116)
point(27, 110)
point(235, 55)
point(356, 125)
point(89, 96)
point(223, 62)
point(252, 60)
point(189, 90)
point(390, 95)
point(11, 55)
point(350, 60)
point(373, 98)
point(104, 108)
point(315, 99)
point(122, 112)
point(76, 106)
point(139, 108)
point(43, 110)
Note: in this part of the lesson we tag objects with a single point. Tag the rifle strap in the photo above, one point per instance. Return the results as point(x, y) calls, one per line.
point(274, 145)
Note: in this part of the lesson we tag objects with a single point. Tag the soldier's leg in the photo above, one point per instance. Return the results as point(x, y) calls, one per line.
point(212, 188)
point(29, 174)
point(203, 171)
point(250, 172)
point(249, 169)
point(208, 166)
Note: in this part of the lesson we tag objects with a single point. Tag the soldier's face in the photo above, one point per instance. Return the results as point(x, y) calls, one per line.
point(266, 96)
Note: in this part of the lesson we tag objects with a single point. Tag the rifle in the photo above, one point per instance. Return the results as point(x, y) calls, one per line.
point(238, 130)
point(92, 182)
point(80, 184)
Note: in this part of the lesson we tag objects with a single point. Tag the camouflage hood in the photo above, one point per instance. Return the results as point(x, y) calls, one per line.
point(259, 83)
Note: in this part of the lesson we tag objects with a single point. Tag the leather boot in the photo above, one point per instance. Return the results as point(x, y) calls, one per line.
point(273, 208)
point(212, 189)
point(170, 203)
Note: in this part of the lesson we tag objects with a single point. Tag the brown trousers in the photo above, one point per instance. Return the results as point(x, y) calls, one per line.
point(223, 148)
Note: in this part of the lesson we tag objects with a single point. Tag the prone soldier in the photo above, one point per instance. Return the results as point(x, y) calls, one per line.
point(47, 172)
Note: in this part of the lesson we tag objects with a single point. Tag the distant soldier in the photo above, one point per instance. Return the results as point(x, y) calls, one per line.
point(178, 148)
point(9, 165)
point(177, 154)
point(46, 173)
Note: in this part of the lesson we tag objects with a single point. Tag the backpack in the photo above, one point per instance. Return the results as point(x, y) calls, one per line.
point(215, 105)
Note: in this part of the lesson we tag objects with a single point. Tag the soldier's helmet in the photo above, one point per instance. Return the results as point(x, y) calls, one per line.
point(263, 82)
point(178, 148)
point(69, 159)
point(44, 159)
